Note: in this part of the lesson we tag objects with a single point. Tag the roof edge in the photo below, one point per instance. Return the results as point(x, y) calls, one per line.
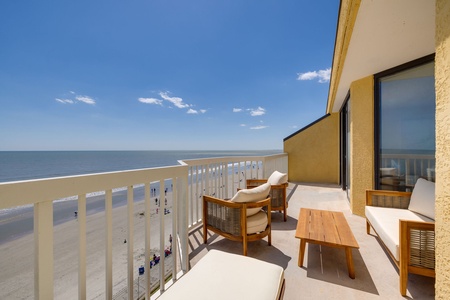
point(306, 127)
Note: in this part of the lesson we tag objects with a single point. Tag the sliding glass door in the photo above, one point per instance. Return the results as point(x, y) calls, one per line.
point(406, 126)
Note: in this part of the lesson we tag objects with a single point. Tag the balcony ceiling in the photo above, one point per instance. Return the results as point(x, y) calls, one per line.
point(386, 34)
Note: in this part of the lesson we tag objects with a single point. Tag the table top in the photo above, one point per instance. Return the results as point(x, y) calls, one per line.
point(325, 227)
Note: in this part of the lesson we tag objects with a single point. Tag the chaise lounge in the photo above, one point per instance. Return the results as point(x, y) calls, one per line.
point(220, 275)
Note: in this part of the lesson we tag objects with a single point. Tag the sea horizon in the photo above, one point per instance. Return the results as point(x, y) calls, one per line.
point(29, 164)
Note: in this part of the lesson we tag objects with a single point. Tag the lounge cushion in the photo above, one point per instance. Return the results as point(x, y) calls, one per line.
point(386, 222)
point(223, 276)
point(388, 172)
point(422, 198)
point(252, 195)
point(257, 223)
point(277, 178)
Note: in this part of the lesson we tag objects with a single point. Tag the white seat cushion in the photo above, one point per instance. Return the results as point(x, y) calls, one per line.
point(223, 276)
point(277, 178)
point(386, 222)
point(388, 172)
point(252, 195)
point(423, 198)
point(257, 222)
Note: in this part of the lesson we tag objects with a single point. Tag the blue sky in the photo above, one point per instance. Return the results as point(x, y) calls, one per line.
point(156, 75)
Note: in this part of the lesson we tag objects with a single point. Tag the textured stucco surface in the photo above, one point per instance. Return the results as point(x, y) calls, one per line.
point(361, 142)
point(314, 152)
point(442, 74)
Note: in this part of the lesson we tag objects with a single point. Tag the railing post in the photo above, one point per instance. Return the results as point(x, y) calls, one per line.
point(183, 226)
point(43, 250)
point(108, 245)
point(130, 242)
point(174, 241)
point(147, 241)
point(162, 231)
point(81, 217)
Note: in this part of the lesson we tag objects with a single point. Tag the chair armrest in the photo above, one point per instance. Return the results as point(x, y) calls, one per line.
point(252, 183)
point(230, 204)
point(260, 203)
point(391, 199)
point(417, 248)
point(221, 202)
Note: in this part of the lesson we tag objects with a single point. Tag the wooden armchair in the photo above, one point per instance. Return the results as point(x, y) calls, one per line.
point(277, 191)
point(414, 250)
point(236, 220)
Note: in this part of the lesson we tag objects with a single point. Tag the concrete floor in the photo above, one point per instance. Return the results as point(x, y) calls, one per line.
point(325, 274)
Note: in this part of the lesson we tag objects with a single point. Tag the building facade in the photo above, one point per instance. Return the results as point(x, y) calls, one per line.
point(388, 110)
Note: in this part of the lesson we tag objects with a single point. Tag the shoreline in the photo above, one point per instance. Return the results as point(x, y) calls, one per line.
point(18, 223)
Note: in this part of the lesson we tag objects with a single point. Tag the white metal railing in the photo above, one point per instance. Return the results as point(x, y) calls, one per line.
point(220, 177)
point(190, 180)
point(410, 166)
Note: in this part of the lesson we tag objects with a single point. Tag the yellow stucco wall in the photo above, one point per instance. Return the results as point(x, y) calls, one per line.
point(361, 142)
point(314, 152)
point(442, 75)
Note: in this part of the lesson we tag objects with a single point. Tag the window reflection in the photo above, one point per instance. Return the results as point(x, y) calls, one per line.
point(407, 128)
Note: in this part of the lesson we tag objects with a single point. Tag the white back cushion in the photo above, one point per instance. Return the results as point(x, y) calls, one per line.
point(423, 198)
point(277, 178)
point(252, 195)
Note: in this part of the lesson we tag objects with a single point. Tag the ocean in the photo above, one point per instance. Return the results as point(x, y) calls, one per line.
point(25, 165)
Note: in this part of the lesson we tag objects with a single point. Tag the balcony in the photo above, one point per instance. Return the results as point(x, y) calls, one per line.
point(55, 263)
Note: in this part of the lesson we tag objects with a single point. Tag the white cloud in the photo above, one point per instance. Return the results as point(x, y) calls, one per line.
point(258, 127)
point(80, 98)
point(65, 101)
point(237, 109)
point(322, 75)
point(257, 112)
point(194, 111)
point(243, 125)
point(85, 99)
point(151, 101)
point(177, 101)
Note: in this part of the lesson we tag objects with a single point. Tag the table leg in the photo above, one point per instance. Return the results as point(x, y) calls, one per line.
point(301, 253)
point(351, 268)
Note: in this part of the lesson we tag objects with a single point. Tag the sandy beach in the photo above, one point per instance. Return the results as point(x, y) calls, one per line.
point(17, 263)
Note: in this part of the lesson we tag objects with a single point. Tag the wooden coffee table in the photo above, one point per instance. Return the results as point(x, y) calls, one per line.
point(327, 228)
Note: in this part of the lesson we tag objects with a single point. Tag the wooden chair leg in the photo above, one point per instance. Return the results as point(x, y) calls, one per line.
point(367, 227)
point(403, 282)
point(205, 234)
point(244, 244)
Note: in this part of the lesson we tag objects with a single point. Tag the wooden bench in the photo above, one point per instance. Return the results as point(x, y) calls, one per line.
point(404, 224)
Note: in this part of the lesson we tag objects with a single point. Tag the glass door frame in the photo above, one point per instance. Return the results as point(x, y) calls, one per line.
point(345, 157)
